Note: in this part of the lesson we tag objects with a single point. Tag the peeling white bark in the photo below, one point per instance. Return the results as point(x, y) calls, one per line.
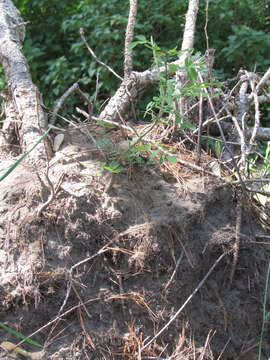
point(20, 86)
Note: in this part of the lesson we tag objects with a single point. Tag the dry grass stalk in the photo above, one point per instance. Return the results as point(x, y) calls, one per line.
point(138, 299)
point(88, 338)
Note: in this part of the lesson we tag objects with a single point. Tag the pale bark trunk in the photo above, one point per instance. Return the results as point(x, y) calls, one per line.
point(21, 89)
point(128, 63)
point(139, 81)
point(189, 32)
point(127, 93)
point(187, 44)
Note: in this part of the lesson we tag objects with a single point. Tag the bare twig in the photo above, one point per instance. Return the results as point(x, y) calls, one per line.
point(186, 302)
point(239, 210)
point(70, 283)
point(264, 193)
point(263, 80)
point(257, 110)
point(239, 122)
point(208, 339)
point(56, 319)
point(113, 123)
point(101, 251)
point(125, 85)
point(51, 186)
point(85, 332)
point(96, 96)
point(207, 39)
point(185, 163)
point(222, 135)
point(45, 143)
point(74, 88)
point(199, 139)
point(52, 194)
point(96, 58)
point(189, 31)
point(224, 348)
point(174, 272)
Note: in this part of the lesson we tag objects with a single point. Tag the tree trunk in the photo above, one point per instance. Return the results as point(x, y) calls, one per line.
point(137, 82)
point(31, 118)
point(187, 44)
point(128, 63)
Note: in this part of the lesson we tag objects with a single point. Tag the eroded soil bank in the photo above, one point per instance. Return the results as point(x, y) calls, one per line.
point(124, 256)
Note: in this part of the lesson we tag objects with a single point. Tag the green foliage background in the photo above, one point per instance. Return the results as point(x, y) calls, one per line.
point(238, 30)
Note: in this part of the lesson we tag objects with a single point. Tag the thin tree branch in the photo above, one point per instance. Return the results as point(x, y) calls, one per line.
point(95, 57)
point(74, 88)
point(263, 80)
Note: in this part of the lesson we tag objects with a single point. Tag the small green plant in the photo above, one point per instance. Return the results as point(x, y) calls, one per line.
point(163, 105)
point(113, 167)
point(215, 144)
point(138, 154)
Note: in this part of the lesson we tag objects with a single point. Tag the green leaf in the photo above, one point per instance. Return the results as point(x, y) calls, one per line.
point(105, 124)
point(267, 316)
point(187, 125)
point(103, 143)
point(154, 154)
point(147, 147)
point(173, 68)
point(187, 62)
point(150, 162)
point(135, 43)
point(219, 148)
point(172, 159)
point(162, 159)
point(192, 74)
point(267, 153)
point(173, 52)
point(113, 167)
point(141, 38)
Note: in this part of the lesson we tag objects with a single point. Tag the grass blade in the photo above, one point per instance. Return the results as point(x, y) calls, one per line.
point(12, 167)
point(20, 336)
